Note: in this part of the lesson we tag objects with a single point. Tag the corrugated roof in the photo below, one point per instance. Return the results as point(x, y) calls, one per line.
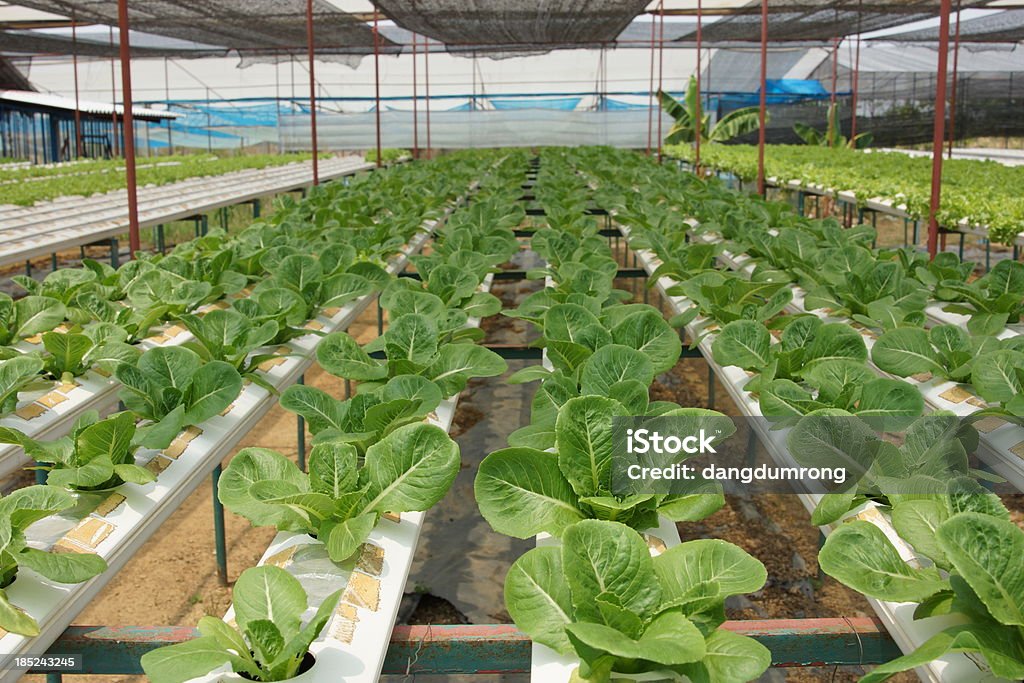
point(86, 106)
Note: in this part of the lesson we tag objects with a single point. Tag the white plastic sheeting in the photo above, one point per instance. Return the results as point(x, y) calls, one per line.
point(457, 129)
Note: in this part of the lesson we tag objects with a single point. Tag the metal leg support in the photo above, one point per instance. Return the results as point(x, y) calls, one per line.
point(711, 388)
point(218, 530)
point(115, 253)
point(301, 435)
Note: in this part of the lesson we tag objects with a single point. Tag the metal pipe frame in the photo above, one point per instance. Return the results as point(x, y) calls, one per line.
point(500, 648)
point(134, 243)
point(415, 103)
point(661, 68)
point(310, 50)
point(763, 105)
point(650, 95)
point(956, 75)
point(376, 78)
point(698, 124)
point(939, 130)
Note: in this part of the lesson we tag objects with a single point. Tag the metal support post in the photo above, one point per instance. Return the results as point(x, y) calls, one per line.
point(218, 530)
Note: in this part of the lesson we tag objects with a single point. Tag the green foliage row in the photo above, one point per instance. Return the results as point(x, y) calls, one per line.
point(984, 193)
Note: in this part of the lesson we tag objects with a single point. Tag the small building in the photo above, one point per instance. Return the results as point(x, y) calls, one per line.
point(40, 127)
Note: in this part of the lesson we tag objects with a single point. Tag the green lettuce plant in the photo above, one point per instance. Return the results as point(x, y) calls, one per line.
point(18, 511)
point(98, 454)
point(267, 642)
point(601, 598)
point(343, 496)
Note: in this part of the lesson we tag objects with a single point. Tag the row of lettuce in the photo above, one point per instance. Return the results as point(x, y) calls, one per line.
point(597, 595)
point(374, 452)
point(268, 281)
point(982, 192)
point(814, 377)
point(26, 185)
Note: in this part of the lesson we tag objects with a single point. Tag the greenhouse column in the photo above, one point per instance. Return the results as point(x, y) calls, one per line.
point(415, 104)
point(74, 65)
point(312, 90)
point(698, 127)
point(661, 65)
point(762, 128)
point(129, 128)
point(426, 85)
point(956, 71)
point(940, 132)
point(376, 77)
point(650, 93)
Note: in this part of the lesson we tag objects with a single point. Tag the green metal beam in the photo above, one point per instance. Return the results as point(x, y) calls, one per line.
point(498, 648)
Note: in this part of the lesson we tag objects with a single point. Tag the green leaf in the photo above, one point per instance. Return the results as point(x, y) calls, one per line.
point(251, 465)
point(608, 557)
point(413, 338)
point(670, 640)
point(906, 351)
point(455, 364)
point(345, 537)
point(648, 333)
point(995, 376)
point(611, 364)
point(341, 356)
point(271, 593)
point(986, 551)
point(707, 561)
point(184, 661)
point(333, 468)
point(743, 343)
point(410, 469)
point(320, 410)
point(62, 567)
point(730, 658)
point(537, 598)
point(917, 521)
point(214, 386)
point(108, 439)
point(521, 492)
point(583, 438)
point(860, 556)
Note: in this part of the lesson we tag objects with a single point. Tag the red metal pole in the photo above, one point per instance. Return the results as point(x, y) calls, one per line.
point(956, 73)
point(661, 65)
point(376, 78)
point(129, 128)
point(833, 114)
point(698, 126)
point(856, 80)
point(650, 95)
point(939, 137)
point(74, 65)
point(426, 74)
point(312, 91)
point(763, 113)
point(415, 104)
point(116, 145)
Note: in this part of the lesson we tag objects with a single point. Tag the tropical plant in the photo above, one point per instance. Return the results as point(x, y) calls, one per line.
point(267, 641)
point(733, 125)
point(833, 134)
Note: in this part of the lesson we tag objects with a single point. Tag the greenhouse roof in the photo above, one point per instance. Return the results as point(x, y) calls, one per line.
point(1002, 27)
point(231, 24)
point(47, 101)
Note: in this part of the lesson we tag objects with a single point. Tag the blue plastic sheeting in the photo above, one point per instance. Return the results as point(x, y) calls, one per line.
point(559, 103)
point(619, 105)
point(795, 86)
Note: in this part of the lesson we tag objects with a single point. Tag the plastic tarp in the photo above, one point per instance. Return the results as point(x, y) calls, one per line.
point(561, 103)
point(796, 87)
point(453, 129)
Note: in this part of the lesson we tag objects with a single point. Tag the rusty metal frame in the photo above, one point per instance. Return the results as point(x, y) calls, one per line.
point(502, 648)
point(310, 50)
point(939, 136)
point(763, 104)
point(129, 128)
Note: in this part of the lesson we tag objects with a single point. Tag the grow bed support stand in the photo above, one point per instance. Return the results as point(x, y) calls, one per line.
point(495, 648)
